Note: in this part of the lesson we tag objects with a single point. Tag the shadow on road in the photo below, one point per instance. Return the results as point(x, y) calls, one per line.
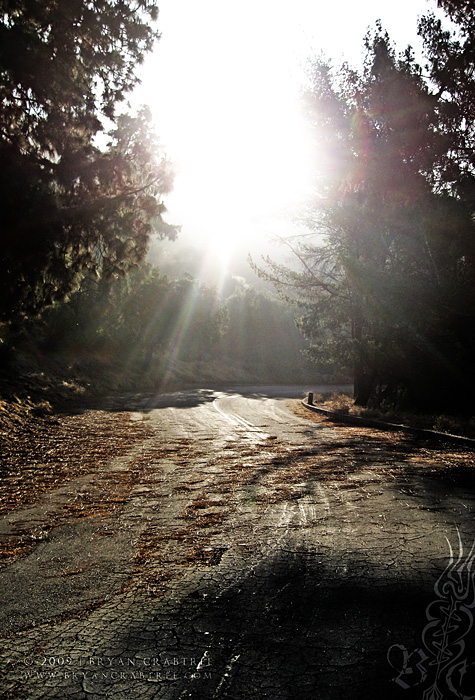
point(189, 398)
point(146, 402)
point(292, 628)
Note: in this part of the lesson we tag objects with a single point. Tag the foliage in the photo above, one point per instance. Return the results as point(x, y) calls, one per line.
point(260, 335)
point(451, 57)
point(135, 321)
point(387, 286)
point(148, 331)
point(71, 208)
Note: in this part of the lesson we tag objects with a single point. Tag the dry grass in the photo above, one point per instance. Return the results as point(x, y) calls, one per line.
point(344, 404)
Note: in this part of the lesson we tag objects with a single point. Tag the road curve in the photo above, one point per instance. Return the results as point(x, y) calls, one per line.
point(250, 553)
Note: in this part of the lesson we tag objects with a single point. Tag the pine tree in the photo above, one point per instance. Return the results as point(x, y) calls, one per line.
point(71, 207)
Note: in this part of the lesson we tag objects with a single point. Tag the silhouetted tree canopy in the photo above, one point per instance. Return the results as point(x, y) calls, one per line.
point(72, 207)
point(387, 284)
point(462, 12)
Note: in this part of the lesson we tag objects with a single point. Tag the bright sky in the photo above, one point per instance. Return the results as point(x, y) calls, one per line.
point(223, 86)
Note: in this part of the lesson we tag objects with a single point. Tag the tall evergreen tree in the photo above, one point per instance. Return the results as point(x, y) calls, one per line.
point(387, 286)
point(70, 207)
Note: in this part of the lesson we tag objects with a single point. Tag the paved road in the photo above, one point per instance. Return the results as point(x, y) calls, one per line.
point(255, 553)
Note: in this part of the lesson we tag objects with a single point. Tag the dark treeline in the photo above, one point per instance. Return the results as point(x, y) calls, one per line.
point(147, 331)
point(386, 286)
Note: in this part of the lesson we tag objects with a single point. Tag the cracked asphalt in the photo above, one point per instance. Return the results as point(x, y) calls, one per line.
point(238, 547)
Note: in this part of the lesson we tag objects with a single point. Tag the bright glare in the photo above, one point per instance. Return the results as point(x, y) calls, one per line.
point(244, 168)
point(223, 86)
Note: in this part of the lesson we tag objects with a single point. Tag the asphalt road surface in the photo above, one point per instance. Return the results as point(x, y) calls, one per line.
point(244, 548)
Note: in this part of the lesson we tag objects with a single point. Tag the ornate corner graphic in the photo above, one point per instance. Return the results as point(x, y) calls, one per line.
point(440, 666)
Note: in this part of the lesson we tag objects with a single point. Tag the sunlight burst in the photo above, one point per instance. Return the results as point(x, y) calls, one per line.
point(229, 114)
point(223, 86)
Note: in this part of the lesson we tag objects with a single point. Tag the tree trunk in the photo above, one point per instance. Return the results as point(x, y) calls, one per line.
point(364, 379)
point(363, 384)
